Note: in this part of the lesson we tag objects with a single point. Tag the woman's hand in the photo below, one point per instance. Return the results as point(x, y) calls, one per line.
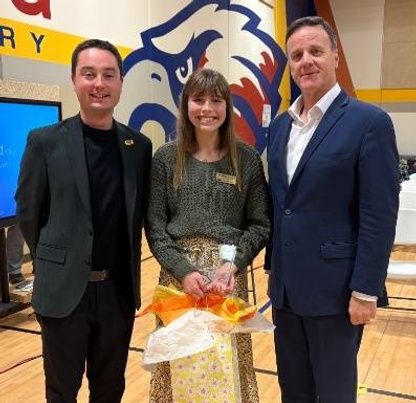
point(194, 285)
point(224, 280)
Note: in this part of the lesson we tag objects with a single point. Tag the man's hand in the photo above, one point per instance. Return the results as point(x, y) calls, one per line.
point(361, 311)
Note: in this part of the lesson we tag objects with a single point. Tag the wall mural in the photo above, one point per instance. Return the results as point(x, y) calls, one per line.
point(243, 39)
point(255, 89)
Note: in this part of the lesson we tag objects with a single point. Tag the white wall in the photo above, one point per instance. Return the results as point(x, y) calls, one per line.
point(360, 26)
point(405, 126)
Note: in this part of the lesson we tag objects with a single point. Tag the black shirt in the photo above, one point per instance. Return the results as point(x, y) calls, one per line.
point(105, 173)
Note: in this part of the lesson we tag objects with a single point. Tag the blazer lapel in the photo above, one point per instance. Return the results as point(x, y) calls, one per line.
point(335, 111)
point(129, 158)
point(281, 148)
point(75, 146)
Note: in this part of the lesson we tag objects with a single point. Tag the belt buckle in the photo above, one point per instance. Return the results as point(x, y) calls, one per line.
point(99, 275)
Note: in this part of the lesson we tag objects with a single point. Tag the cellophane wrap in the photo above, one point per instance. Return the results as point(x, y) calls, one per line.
point(191, 326)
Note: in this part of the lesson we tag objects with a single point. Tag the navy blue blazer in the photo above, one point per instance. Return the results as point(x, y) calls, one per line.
point(334, 224)
point(54, 212)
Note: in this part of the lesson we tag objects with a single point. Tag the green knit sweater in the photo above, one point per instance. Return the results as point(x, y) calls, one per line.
point(207, 204)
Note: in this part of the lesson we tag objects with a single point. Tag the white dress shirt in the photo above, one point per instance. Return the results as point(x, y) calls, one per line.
point(301, 133)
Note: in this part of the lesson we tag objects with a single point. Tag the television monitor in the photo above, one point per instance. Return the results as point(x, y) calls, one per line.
point(17, 118)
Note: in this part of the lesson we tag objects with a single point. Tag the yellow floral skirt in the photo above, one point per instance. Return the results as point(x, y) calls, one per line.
point(202, 253)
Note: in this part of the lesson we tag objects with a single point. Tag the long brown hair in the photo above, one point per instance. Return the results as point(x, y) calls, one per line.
point(202, 82)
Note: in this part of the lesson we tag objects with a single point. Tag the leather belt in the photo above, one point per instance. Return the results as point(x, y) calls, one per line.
point(100, 275)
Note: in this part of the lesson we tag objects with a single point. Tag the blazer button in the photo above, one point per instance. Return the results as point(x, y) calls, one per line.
point(288, 211)
point(288, 244)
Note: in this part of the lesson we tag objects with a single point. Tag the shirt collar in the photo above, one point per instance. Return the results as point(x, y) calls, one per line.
point(322, 105)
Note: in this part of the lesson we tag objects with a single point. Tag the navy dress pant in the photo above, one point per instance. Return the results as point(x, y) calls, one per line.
point(316, 357)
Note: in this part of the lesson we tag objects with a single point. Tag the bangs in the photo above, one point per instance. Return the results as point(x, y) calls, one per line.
point(209, 85)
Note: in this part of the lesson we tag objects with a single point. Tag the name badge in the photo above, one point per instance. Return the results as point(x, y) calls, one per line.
point(224, 178)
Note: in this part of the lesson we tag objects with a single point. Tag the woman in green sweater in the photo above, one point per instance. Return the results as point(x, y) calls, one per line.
point(207, 189)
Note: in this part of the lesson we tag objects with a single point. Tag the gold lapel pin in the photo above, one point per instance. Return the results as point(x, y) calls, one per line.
point(128, 142)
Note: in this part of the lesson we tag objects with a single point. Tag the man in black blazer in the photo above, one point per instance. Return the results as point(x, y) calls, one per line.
point(334, 215)
point(81, 199)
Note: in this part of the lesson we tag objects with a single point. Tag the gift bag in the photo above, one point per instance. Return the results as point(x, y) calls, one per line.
point(198, 341)
point(211, 376)
point(187, 335)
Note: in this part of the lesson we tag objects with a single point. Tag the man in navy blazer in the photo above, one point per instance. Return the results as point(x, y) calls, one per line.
point(334, 183)
point(81, 199)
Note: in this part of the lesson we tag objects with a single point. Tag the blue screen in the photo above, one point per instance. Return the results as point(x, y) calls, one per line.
point(17, 118)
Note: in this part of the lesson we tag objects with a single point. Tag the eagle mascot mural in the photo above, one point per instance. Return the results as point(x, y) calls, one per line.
point(221, 35)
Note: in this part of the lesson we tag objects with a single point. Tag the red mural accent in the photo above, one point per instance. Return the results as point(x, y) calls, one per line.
point(248, 90)
point(244, 131)
point(202, 61)
point(39, 7)
point(269, 68)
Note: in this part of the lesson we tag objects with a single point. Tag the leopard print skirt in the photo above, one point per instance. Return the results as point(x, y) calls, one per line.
point(203, 252)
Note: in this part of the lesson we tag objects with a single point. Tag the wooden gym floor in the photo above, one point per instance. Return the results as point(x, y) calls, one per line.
point(387, 359)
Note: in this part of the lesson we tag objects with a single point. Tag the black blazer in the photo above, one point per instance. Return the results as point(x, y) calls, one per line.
point(334, 224)
point(54, 212)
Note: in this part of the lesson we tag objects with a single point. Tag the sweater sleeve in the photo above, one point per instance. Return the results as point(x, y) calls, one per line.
point(164, 248)
point(256, 220)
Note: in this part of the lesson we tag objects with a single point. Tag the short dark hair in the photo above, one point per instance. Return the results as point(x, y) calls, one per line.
point(95, 43)
point(312, 21)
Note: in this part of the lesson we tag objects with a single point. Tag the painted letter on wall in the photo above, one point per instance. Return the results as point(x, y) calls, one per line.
point(39, 7)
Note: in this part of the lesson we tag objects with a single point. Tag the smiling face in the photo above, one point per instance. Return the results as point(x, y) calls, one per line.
point(97, 82)
point(207, 112)
point(313, 62)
